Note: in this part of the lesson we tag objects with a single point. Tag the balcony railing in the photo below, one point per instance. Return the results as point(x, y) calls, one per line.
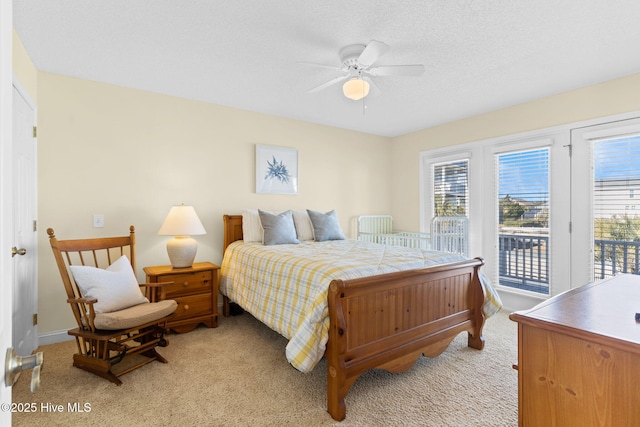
point(524, 260)
point(613, 257)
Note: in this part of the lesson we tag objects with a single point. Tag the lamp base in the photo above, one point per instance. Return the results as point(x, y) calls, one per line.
point(182, 251)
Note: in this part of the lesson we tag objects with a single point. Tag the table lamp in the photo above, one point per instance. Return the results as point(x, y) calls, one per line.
point(182, 222)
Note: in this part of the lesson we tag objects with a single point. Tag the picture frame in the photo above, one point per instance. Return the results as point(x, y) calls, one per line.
point(276, 170)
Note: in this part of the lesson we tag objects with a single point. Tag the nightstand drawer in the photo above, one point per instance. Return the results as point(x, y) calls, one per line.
point(193, 306)
point(194, 288)
point(188, 283)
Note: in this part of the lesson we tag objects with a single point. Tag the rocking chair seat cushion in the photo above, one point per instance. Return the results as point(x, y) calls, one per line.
point(135, 316)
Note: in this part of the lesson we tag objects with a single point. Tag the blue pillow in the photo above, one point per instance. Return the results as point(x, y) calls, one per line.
point(278, 229)
point(325, 226)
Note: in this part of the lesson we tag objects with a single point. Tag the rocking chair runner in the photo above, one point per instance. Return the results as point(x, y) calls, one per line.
point(119, 323)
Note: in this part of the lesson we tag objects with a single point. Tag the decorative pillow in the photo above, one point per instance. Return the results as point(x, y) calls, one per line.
point(278, 229)
point(325, 226)
point(251, 226)
point(115, 287)
point(304, 227)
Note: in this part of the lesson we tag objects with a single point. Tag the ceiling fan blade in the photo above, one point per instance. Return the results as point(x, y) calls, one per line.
point(327, 84)
point(313, 64)
point(397, 70)
point(372, 52)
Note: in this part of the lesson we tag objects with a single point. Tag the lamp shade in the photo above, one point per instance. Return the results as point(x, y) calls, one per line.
point(355, 89)
point(182, 221)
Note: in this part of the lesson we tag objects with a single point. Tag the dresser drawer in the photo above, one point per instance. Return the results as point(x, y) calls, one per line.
point(188, 283)
point(193, 306)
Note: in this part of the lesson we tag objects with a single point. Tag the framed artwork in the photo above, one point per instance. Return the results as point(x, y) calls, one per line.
point(276, 170)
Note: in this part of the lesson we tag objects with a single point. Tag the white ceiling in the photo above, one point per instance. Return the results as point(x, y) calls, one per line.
point(479, 55)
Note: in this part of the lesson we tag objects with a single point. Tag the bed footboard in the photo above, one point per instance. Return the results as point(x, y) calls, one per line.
point(388, 321)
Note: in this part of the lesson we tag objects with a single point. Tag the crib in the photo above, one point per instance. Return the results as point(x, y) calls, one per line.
point(448, 234)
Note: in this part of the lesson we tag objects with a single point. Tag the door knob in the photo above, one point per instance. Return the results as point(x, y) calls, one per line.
point(15, 251)
point(15, 364)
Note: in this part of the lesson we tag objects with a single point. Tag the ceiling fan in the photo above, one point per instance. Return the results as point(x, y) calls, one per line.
point(357, 66)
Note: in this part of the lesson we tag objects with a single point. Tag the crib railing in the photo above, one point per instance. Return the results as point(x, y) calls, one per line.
point(407, 239)
point(371, 228)
point(450, 234)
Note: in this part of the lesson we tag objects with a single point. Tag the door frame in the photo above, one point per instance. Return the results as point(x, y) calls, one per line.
point(6, 194)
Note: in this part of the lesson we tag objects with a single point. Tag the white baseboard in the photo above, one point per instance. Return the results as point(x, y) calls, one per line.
point(514, 301)
point(53, 337)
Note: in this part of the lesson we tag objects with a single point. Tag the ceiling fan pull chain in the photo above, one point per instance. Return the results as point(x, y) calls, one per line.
point(364, 103)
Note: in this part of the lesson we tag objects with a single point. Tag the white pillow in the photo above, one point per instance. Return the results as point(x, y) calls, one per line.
point(115, 287)
point(304, 227)
point(251, 226)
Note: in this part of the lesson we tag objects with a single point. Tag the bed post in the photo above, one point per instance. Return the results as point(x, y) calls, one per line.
point(337, 384)
point(232, 232)
point(475, 339)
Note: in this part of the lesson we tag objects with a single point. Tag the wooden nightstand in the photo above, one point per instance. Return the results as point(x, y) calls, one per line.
point(194, 288)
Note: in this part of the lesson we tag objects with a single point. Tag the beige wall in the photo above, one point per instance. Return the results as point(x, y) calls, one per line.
point(601, 100)
point(131, 154)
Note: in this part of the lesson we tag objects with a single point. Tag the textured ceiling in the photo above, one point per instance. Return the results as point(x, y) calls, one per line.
point(479, 55)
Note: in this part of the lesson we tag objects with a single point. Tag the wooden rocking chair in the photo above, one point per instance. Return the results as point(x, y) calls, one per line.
point(119, 323)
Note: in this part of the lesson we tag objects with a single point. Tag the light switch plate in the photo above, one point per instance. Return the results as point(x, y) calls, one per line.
point(98, 220)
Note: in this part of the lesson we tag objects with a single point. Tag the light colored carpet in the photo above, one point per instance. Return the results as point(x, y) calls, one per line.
point(237, 375)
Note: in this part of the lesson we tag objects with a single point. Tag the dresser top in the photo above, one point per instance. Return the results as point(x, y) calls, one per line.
point(606, 308)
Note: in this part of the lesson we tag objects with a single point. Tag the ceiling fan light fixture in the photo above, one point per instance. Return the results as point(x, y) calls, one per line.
point(355, 88)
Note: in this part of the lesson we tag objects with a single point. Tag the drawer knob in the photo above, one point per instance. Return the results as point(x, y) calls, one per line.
point(185, 284)
point(186, 307)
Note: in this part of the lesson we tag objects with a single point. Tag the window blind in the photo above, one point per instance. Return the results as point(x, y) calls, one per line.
point(616, 205)
point(523, 188)
point(451, 188)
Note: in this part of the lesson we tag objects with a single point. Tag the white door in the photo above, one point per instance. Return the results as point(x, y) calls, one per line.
point(25, 288)
point(605, 198)
point(6, 187)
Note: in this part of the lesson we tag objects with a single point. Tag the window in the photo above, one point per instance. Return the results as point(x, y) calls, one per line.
point(523, 219)
point(451, 188)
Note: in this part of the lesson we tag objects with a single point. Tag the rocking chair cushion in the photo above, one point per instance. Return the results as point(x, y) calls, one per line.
point(115, 287)
point(135, 316)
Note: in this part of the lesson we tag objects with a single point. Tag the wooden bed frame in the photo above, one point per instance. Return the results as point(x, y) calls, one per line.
point(387, 321)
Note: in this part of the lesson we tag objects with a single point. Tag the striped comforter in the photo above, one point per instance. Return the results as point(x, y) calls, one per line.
point(285, 286)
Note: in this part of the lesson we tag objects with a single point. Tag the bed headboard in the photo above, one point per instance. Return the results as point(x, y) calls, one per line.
point(232, 229)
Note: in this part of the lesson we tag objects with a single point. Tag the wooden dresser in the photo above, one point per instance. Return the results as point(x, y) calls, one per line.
point(194, 288)
point(579, 357)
